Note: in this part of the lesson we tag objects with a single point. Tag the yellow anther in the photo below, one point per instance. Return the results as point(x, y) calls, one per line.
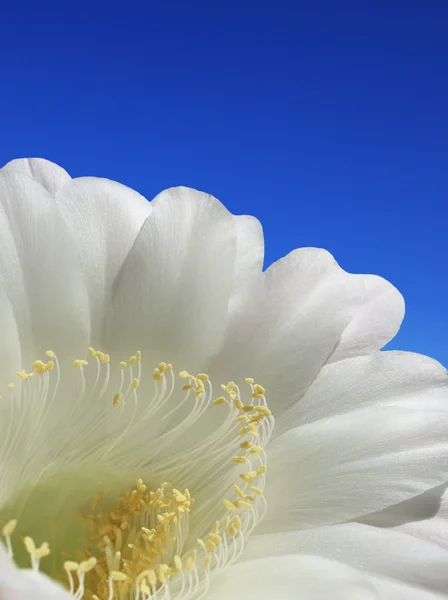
point(246, 445)
point(118, 576)
point(255, 450)
point(241, 419)
point(178, 562)
point(248, 408)
point(132, 360)
point(42, 551)
point(256, 490)
point(229, 505)
point(186, 386)
point(134, 383)
point(123, 364)
point(218, 401)
point(184, 374)
point(9, 528)
point(100, 355)
point(264, 410)
point(243, 431)
point(202, 544)
point(249, 380)
point(50, 353)
point(162, 367)
point(242, 504)
point(261, 470)
point(164, 572)
point(91, 351)
point(239, 404)
point(252, 474)
point(239, 491)
point(207, 562)
point(216, 538)
point(138, 355)
point(191, 561)
point(22, 375)
point(239, 459)
point(253, 429)
point(237, 522)
point(246, 478)
point(211, 546)
point(169, 367)
point(88, 565)
point(203, 377)
point(10, 387)
point(157, 376)
point(233, 530)
point(80, 363)
point(29, 545)
point(71, 565)
point(117, 398)
point(225, 525)
point(259, 389)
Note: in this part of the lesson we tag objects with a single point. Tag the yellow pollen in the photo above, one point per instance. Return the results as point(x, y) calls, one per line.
point(123, 364)
point(80, 363)
point(9, 528)
point(134, 383)
point(118, 396)
point(219, 401)
point(249, 380)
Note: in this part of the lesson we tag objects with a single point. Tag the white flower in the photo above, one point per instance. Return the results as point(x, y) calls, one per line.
point(106, 450)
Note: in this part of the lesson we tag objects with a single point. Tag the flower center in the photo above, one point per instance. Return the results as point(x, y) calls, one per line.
point(155, 541)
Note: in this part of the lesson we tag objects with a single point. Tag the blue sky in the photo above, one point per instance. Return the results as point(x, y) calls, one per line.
point(327, 120)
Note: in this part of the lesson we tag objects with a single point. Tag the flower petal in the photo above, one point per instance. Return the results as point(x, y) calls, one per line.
point(104, 218)
point(340, 468)
point(174, 290)
point(383, 378)
point(49, 175)
point(42, 279)
point(384, 553)
point(291, 578)
point(23, 584)
point(435, 529)
point(306, 312)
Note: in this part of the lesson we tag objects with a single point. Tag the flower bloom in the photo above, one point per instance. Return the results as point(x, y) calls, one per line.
point(178, 424)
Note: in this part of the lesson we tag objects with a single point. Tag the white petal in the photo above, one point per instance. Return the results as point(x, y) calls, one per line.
point(383, 378)
point(291, 578)
point(21, 584)
point(396, 590)
point(435, 529)
point(340, 468)
point(174, 289)
point(304, 313)
point(384, 553)
point(50, 176)
point(40, 270)
point(105, 219)
point(424, 507)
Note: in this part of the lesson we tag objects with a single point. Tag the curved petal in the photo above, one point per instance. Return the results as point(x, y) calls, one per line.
point(47, 174)
point(302, 314)
point(340, 468)
point(291, 578)
point(426, 507)
point(174, 289)
point(435, 529)
point(104, 218)
point(42, 279)
point(383, 378)
point(23, 584)
point(383, 553)
point(396, 590)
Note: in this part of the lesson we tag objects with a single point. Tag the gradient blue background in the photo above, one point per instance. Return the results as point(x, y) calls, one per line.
point(326, 119)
